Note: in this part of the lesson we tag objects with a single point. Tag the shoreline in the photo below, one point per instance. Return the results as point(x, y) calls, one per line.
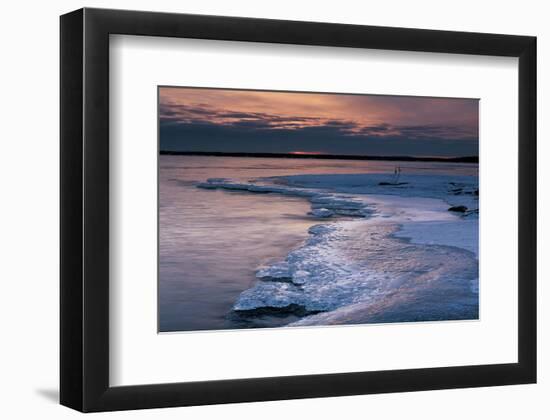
point(314, 276)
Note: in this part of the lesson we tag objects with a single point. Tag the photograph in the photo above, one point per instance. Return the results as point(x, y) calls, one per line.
point(305, 209)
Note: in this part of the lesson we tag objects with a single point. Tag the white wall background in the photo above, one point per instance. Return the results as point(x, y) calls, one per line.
point(29, 212)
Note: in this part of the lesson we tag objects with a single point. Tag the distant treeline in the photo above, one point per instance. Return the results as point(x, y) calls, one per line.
point(461, 159)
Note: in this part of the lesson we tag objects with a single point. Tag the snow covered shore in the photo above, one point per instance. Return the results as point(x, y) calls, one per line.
point(384, 251)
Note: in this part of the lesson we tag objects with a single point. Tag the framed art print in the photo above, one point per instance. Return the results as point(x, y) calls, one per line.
point(258, 209)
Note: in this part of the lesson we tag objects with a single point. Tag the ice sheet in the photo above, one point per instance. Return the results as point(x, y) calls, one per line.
point(402, 247)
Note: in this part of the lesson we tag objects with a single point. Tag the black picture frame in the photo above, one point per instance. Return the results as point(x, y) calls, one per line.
point(84, 297)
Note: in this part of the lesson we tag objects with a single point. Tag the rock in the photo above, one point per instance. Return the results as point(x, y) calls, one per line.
point(392, 183)
point(459, 209)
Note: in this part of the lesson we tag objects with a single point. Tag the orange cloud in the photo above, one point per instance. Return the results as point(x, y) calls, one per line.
point(373, 115)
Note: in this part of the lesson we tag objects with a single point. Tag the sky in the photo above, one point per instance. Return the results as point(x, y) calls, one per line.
point(248, 121)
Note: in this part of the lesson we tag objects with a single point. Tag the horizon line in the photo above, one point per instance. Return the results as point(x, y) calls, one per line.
point(317, 155)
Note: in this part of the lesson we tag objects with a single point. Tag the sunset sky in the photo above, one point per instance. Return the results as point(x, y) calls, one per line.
point(222, 120)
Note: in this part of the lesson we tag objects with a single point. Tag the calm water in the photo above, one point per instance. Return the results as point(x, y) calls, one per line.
point(213, 241)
